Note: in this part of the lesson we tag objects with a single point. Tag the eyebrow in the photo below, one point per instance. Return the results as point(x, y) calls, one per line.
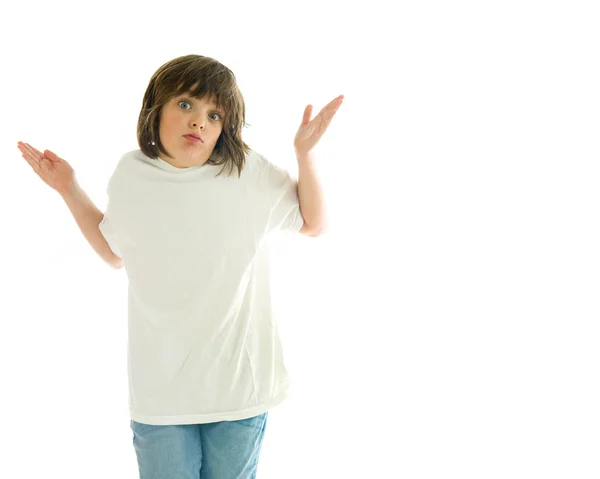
point(187, 96)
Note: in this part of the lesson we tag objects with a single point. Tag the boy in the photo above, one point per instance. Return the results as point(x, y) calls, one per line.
point(205, 360)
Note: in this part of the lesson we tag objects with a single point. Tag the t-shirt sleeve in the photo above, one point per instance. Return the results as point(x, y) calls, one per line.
point(284, 203)
point(106, 227)
point(109, 235)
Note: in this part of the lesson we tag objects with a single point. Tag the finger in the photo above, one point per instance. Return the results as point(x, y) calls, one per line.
point(325, 124)
point(35, 150)
point(307, 113)
point(325, 117)
point(327, 112)
point(336, 102)
point(33, 157)
point(32, 152)
point(27, 147)
point(43, 157)
point(330, 104)
point(331, 108)
point(35, 164)
point(26, 150)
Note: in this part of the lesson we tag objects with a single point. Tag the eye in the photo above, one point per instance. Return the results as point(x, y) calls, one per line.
point(183, 101)
point(217, 115)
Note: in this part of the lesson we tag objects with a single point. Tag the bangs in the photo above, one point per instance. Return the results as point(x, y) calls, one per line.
point(219, 89)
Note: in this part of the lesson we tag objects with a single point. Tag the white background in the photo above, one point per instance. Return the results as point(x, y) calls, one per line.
point(447, 326)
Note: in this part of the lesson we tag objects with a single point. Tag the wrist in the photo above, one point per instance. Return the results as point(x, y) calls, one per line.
point(68, 191)
point(305, 157)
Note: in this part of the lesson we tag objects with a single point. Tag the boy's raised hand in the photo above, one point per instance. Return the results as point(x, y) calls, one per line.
point(53, 170)
point(311, 131)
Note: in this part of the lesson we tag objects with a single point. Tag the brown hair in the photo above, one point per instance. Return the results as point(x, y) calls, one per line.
point(210, 79)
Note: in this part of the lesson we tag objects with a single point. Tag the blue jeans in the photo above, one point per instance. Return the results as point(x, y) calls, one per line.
point(215, 450)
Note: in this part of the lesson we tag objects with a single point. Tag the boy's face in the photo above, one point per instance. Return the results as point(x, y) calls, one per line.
point(185, 115)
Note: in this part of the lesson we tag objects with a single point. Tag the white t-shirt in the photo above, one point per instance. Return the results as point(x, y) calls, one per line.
point(203, 344)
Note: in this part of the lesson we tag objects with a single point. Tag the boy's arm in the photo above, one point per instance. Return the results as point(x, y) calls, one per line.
point(88, 218)
point(310, 197)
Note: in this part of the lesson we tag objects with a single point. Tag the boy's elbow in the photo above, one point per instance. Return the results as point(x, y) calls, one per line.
point(115, 262)
point(118, 264)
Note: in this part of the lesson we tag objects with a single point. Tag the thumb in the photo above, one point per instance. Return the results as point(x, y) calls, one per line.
point(51, 155)
point(307, 113)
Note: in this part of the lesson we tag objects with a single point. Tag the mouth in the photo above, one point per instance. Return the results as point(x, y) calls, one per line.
point(193, 138)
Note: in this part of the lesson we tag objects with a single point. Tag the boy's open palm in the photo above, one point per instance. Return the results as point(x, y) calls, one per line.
point(311, 131)
point(52, 169)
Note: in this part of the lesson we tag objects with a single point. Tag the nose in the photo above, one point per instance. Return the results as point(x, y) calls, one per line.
point(198, 124)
